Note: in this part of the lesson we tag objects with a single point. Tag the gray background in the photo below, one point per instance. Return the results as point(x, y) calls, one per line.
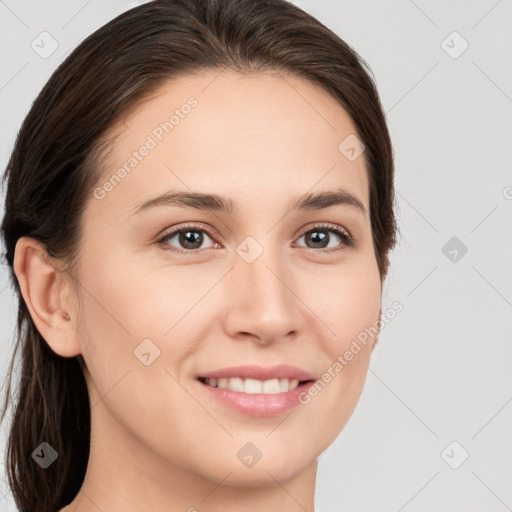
point(442, 369)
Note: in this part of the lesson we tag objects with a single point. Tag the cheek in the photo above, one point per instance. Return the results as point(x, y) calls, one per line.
point(115, 307)
point(348, 306)
point(125, 299)
point(129, 310)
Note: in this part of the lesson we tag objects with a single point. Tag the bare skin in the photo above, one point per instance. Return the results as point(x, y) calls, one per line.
point(159, 441)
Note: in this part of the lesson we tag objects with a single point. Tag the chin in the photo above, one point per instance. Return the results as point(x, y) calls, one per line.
point(277, 466)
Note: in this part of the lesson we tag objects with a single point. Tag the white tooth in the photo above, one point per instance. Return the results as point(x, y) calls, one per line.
point(236, 384)
point(223, 383)
point(253, 387)
point(293, 384)
point(271, 387)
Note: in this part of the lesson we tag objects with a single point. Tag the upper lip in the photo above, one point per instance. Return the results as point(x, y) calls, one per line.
point(281, 371)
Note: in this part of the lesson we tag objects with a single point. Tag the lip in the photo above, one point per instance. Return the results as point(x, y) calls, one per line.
point(280, 371)
point(258, 404)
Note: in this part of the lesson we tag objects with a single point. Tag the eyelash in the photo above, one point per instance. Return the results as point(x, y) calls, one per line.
point(347, 240)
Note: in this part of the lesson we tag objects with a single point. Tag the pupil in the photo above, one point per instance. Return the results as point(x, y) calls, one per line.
point(318, 239)
point(188, 238)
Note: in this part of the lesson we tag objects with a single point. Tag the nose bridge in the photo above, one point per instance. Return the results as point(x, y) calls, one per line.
point(263, 279)
point(262, 302)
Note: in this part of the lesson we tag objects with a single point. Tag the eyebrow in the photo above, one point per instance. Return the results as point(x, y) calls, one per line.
point(214, 202)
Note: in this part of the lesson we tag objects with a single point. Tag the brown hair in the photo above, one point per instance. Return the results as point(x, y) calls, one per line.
point(57, 160)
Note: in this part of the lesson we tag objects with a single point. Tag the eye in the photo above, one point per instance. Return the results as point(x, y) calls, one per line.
point(190, 238)
point(319, 238)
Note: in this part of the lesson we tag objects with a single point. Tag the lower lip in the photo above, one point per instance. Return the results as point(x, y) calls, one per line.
point(258, 404)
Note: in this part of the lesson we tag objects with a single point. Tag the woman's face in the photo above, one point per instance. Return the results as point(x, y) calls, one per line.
point(257, 284)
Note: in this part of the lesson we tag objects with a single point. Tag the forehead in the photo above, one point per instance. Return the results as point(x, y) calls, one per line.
point(215, 130)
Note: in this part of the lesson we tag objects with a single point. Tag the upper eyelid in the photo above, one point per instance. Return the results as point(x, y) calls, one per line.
point(214, 234)
point(199, 227)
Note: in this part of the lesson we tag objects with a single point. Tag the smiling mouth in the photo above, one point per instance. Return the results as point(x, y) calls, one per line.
point(254, 386)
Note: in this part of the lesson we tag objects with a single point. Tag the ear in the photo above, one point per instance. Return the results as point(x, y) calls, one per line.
point(47, 294)
point(375, 341)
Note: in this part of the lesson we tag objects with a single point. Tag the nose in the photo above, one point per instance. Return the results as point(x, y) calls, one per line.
point(261, 303)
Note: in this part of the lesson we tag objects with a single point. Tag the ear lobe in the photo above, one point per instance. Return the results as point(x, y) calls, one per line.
point(43, 288)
